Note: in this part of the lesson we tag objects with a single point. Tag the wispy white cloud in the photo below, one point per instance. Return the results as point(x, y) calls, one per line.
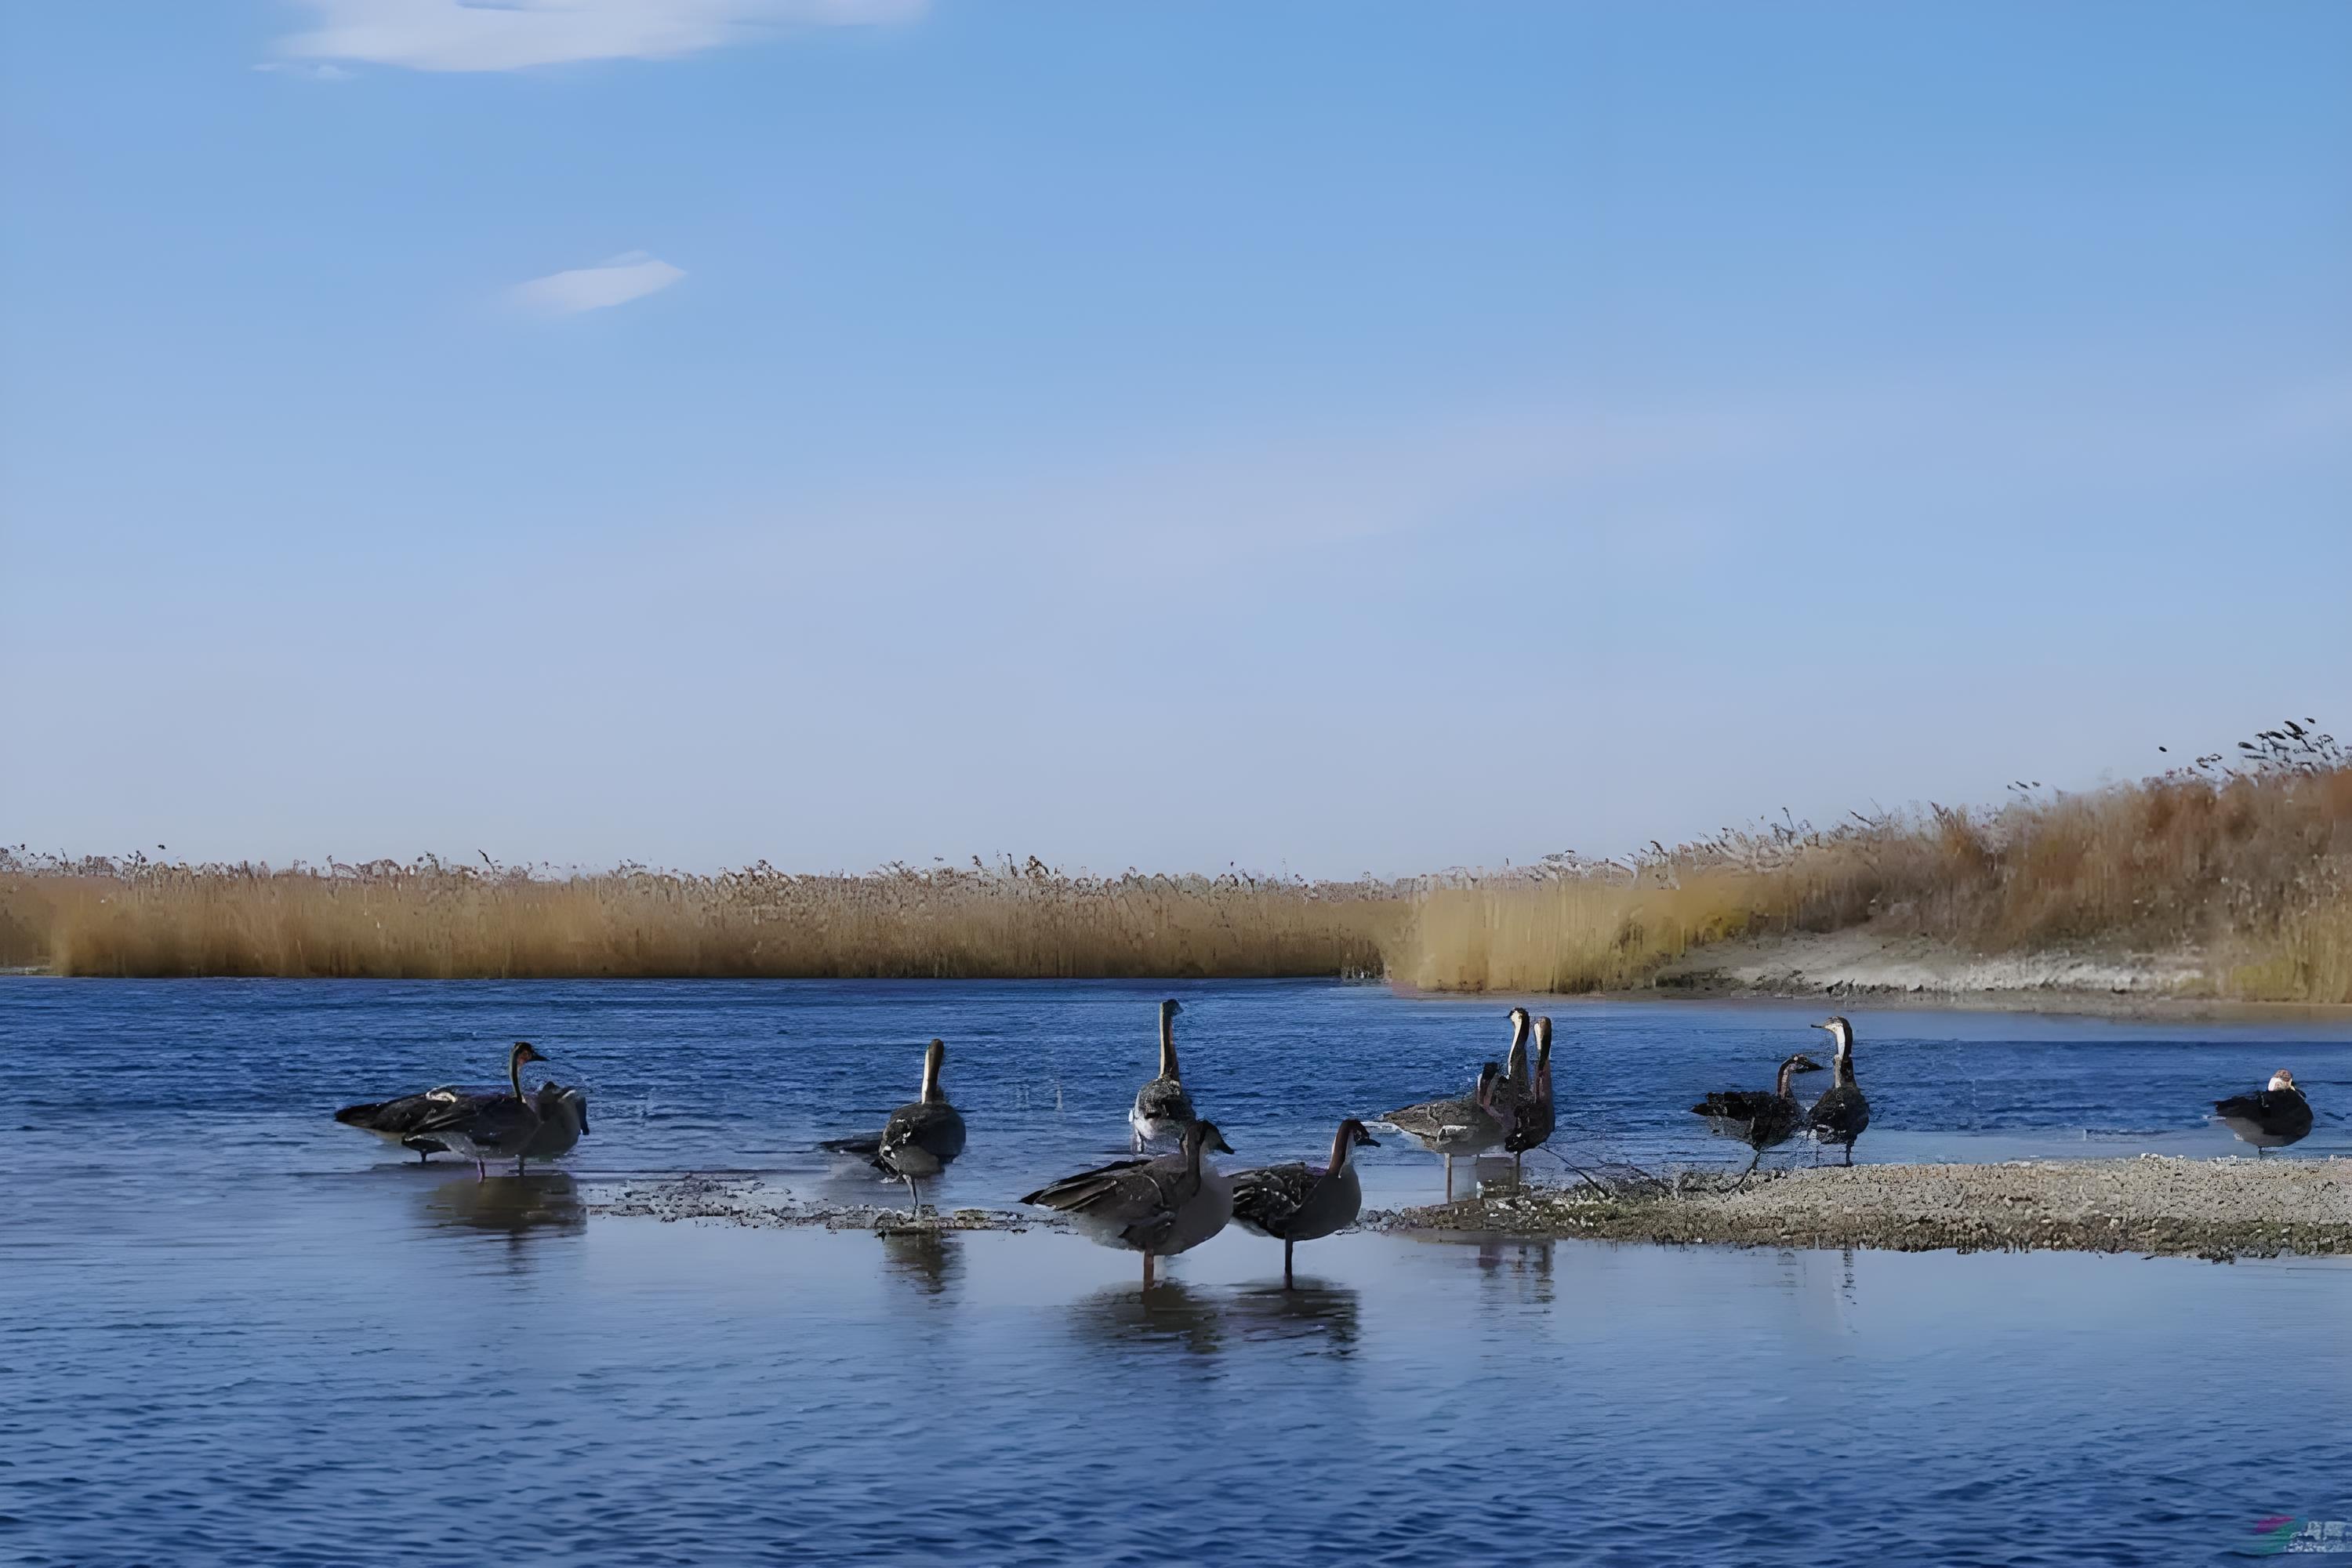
point(309, 71)
point(630, 275)
point(509, 35)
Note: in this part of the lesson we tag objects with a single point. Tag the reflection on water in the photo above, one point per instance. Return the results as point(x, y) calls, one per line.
point(538, 1201)
point(1170, 1313)
point(1311, 1313)
point(927, 1259)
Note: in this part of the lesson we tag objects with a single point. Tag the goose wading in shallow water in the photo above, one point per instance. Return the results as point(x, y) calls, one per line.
point(1468, 1124)
point(485, 1127)
point(1756, 1118)
point(1159, 1206)
point(1163, 1109)
point(1300, 1203)
point(2272, 1119)
point(563, 1113)
point(1840, 1113)
point(922, 1139)
point(1513, 1087)
point(1532, 1118)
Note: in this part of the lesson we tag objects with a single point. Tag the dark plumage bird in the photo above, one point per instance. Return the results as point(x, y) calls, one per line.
point(1761, 1121)
point(1292, 1204)
point(1840, 1113)
point(2272, 1119)
point(1163, 1109)
point(922, 1139)
point(485, 1127)
point(1533, 1118)
point(563, 1115)
point(1157, 1206)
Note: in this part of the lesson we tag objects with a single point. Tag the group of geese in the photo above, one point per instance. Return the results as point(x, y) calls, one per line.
point(1163, 1203)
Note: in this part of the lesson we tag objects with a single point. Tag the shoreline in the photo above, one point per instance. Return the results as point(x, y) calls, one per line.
point(2152, 1204)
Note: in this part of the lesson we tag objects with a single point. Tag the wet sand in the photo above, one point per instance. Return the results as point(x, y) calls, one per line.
point(2155, 1204)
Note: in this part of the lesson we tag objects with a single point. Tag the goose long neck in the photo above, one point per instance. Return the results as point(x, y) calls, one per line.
point(514, 1070)
point(1168, 1044)
point(931, 1060)
point(1342, 1143)
point(1515, 1065)
point(1788, 1076)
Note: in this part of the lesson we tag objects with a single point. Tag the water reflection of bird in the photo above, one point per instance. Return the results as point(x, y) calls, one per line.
point(922, 1139)
point(546, 1201)
point(1163, 1109)
point(1159, 1206)
point(1532, 1116)
point(1468, 1124)
point(2272, 1118)
point(1762, 1120)
point(1312, 1311)
point(1171, 1314)
point(925, 1257)
point(1298, 1203)
point(1840, 1113)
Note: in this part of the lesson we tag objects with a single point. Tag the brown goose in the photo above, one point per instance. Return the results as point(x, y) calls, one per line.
point(1292, 1204)
point(1532, 1119)
point(483, 1128)
point(1163, 1109)
point(922, 1139)
point(1159, 1206)
point(1468, 1124)
point(1756, 1118)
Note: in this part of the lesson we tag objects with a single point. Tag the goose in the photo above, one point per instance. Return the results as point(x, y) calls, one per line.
point(1159, 1206)
point(1468, 1124)
point(562, 1121)
point(1291, 1203)
point(1840, 1113)
point(1532, 1119)
point(398, 1120)
point(483, 1128)
point(1163, 1109)
point(1758, 1120)
point(2272, 1119)
point(1514, 1086)
point(563, 1115)
point(922, 1137)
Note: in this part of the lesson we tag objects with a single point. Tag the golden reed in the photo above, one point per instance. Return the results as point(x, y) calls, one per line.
point(2247, 861)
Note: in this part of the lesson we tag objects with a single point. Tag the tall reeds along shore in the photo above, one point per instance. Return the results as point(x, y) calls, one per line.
point(431, 919)
point(2241, 862)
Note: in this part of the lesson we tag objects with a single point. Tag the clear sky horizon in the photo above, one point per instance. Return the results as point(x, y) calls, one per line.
point(1322, 436)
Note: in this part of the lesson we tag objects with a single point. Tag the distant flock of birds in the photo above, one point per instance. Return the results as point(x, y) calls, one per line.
point(1163, 1204)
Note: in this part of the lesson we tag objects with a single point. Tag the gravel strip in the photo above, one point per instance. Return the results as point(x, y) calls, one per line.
point(2154, 1204)
point(750, 1201)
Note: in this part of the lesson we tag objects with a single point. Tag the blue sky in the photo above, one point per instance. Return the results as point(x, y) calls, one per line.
point(1332, 436)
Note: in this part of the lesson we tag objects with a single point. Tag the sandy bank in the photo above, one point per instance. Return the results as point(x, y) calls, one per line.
point(2154, 1204)
point(1864, 963)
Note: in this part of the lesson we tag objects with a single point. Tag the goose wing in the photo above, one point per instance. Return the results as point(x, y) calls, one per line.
point(1127, 1192)
point(405, 1117)
point(936, 1130)
point(1267, 1199)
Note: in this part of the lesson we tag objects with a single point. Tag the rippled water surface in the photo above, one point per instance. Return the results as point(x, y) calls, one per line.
point(232, 1332)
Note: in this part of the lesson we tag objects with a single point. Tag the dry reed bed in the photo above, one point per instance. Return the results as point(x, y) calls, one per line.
point(2247, 860)
point(430, 919)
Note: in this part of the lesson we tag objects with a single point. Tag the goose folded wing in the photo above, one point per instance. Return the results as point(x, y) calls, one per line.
point(1269, 1196)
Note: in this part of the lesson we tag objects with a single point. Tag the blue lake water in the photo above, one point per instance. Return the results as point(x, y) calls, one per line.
point(232, 1332)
